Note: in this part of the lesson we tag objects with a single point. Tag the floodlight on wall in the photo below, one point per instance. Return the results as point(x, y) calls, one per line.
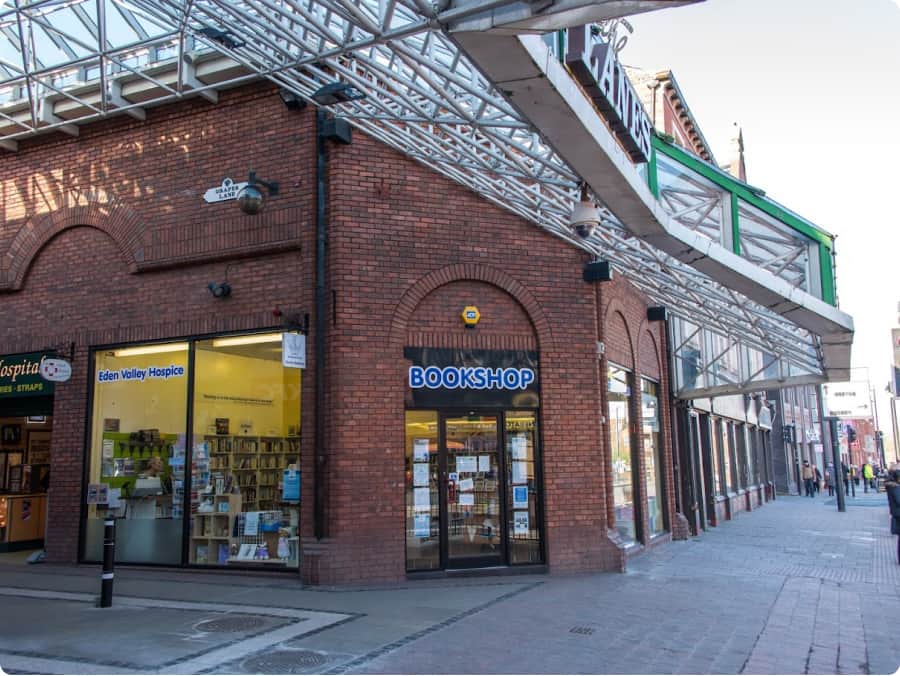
point(224, 37)
point(250, 198)
point(585, 215)
point(657, 313)
point(597, 271)
point(219, 289)
point(291, 100)
point(337, 92)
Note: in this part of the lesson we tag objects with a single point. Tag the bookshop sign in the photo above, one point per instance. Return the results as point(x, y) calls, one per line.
point(20, 375)
point(445, 377)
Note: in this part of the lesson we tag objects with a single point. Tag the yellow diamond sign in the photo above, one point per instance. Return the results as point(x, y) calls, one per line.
point(470, 316)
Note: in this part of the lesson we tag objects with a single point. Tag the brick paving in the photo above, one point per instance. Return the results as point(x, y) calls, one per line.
point(792, 588)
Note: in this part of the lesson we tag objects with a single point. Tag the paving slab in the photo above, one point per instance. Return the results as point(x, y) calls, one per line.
point(793, 587)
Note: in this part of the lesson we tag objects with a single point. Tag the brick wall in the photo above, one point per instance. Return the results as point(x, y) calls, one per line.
point(106, 239)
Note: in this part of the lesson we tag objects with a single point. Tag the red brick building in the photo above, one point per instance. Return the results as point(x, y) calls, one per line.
point(108, 245)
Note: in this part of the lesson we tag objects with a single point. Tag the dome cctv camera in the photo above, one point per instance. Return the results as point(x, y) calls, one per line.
point(222, 290)
point(585, 217)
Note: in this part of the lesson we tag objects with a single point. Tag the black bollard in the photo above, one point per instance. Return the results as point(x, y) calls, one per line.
point(109, 555)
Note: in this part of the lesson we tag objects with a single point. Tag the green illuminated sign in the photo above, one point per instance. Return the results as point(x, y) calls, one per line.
point(20, 375)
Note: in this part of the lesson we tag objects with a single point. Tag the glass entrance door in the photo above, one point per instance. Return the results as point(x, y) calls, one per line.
point(472, 494)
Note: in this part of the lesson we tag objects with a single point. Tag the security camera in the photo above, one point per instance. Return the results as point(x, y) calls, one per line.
point(222, 290)
point(585, 218)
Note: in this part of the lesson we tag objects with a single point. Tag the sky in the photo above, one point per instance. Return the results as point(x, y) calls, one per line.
point(813, 86)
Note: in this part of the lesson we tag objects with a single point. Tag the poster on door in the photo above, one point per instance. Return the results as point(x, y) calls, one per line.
point(520, 523)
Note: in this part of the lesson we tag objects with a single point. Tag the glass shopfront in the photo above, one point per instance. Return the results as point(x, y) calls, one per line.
point(653, 466)
point(473, 495)
point(621, 452)
point(195, 448)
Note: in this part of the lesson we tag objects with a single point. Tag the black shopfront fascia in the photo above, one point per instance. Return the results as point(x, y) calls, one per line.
point(460, 402)
point(189, 444)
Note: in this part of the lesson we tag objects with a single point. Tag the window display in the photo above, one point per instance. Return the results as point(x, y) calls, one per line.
point(523, 496)
point(620, 452)
point(138, 451)
point(423, 532)
point(240, 460)
point(246, 449)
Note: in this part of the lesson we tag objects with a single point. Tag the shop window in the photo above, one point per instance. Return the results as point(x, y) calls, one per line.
point(726, 439)
point(137, 453)
point(423, 532)
point(653, 465)
point(621, 452)
point(246, 454)
point(522, 489)
point(715, 445)
point(243, 463)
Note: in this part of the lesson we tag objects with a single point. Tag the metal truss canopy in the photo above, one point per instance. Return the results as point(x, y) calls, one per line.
point(455, 87)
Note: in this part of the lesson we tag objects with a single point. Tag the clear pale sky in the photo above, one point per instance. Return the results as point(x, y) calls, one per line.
point(813, 84)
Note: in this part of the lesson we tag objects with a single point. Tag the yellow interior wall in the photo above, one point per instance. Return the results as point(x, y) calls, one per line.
point(228, 375)
point(155, 403)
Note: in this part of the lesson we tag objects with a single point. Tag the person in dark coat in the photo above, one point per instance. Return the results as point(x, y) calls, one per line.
point(892, 488)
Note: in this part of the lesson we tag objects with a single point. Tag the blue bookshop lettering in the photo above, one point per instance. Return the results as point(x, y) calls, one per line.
point(470, 378)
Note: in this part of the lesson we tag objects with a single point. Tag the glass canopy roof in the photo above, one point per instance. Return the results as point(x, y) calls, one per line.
point(64, 63)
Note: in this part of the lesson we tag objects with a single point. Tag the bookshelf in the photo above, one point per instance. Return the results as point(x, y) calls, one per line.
point(213, 526)
point(255, 463)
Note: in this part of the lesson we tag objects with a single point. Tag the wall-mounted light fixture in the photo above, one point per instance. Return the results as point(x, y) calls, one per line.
point(291, 100)
point(250, 198)
point(597, 271)
point(657, 313)
point(337, 92)
point(224, 37)
point(219, 289)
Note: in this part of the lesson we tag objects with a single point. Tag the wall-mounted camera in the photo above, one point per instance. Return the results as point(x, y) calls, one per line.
point(219, 290)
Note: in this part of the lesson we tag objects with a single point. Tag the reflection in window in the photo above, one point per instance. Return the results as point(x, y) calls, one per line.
point(620, 447)
point(727, 455)
point(653, 466)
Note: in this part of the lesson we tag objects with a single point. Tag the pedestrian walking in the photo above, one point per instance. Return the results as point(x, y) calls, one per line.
point(868, 476)
point(848, 484)
point(892, 488)
point(829, 479)
point(817, 486)
point(808, 478)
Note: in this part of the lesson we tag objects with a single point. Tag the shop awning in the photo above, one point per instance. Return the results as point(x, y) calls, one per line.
point(469, 89)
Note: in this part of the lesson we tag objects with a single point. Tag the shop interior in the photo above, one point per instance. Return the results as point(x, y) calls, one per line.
point(24, 478)
point(239, 480)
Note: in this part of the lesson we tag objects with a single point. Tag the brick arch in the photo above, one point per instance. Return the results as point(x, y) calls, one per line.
point(114, 219)
point(645, 333)
point(469, 272)
point(615, 306)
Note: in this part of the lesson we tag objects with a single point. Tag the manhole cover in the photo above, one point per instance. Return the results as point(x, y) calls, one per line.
point(284, 662)
point(232, 624)
point(581, 630)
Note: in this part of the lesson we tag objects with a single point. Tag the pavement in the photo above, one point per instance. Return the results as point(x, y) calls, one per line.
point(792, 588)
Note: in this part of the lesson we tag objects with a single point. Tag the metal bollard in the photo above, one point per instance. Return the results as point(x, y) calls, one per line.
point(109, 554)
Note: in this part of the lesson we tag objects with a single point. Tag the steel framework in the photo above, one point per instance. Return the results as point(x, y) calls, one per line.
point(68, 62)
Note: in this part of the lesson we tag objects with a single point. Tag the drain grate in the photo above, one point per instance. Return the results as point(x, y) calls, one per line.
point(585, 631)
point(284, 662)
point(232, 623)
